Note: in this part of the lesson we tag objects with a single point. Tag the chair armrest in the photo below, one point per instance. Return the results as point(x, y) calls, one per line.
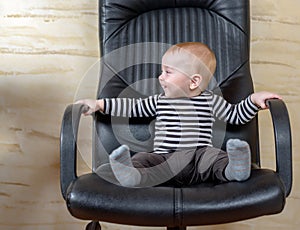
point(68, 145)
point(283, 142)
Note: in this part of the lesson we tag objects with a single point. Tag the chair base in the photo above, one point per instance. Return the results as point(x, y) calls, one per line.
point(176, 228)
point(94, 225)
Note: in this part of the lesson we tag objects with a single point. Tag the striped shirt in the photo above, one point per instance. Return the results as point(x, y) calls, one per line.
point(182, 123)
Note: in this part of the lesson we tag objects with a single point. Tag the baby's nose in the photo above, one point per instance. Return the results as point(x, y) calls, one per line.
point(161, 77)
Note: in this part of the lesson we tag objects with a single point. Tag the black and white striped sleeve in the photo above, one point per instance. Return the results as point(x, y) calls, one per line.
point(131, 107)
point(237, 114)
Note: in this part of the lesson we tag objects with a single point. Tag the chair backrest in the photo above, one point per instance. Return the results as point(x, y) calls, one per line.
point(134, 34)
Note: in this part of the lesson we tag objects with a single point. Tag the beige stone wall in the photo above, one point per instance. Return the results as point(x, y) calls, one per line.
point(48, 46)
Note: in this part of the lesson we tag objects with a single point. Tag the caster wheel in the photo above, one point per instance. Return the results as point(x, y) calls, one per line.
point(93, 226)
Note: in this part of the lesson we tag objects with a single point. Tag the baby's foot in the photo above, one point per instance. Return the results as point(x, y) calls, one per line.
point(121, 164)
point(239, 155)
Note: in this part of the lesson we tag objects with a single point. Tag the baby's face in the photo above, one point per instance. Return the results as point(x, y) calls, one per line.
point(178, 68)
point(174, 83)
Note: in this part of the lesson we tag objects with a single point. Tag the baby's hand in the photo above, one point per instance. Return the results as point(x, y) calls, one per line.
point(93, 105)
point(260, 98)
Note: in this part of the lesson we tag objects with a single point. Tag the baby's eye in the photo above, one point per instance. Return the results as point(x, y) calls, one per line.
point(166, 72)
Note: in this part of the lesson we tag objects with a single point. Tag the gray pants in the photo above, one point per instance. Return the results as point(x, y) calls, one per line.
point(185, 167)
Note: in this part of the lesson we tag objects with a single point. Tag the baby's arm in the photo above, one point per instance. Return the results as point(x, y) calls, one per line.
point(122, 107)
point(259, 98)
point(93, 105)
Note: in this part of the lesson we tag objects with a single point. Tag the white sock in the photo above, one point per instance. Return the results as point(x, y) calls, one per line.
point(239, 166)
point(121, 164)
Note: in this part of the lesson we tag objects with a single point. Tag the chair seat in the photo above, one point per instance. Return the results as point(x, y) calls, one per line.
point(90, 197)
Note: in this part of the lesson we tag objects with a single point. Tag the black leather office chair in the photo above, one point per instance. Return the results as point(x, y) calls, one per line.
point(133, 36)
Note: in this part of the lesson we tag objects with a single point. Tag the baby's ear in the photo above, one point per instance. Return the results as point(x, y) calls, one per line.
point(196, 80)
